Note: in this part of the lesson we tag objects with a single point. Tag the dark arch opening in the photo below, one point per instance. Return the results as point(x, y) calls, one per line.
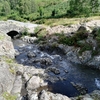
point(13, 34)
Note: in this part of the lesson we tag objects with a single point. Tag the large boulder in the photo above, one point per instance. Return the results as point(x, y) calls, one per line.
point(34, 83)
point(83, 28)
point(95, 62)
point(6, 46)
point(95, 95)
point(50, 96)
point(6, 78)
point(85, 57)
point(29, 39)
point(72, 56)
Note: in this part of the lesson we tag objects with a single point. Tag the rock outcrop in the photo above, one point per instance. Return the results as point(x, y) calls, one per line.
point(95, 95)
point(72, 28)
point(6, 46)
point(50, 96)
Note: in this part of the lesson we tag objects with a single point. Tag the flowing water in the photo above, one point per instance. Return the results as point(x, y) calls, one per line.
point(60, 82)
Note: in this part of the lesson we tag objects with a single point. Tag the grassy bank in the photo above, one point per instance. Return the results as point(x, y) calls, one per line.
point(66, 21)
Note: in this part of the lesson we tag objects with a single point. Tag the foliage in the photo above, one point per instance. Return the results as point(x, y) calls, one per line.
point(8, 96)
point(83, 7)
point(40, 32)
point(6, 8)
point(85, 47)
point(73, 39)
point(37, 29)
point(25, 32)
point(77, 40)
point(98, 35)
point(8, 60)
point(33, 10)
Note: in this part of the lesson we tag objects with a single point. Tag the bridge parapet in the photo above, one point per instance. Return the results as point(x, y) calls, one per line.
point(11, 25)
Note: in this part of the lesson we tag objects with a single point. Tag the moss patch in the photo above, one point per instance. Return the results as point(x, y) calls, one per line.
point(12, 70)
point(2, 37)
point(8, 60)
point(40, 31)
point(8, 96)
point(11, 63)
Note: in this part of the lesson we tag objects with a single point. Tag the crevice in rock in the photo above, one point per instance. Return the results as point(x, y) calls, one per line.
point(24, 92)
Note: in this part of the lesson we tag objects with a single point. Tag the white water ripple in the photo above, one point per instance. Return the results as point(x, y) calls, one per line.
point(97, 82)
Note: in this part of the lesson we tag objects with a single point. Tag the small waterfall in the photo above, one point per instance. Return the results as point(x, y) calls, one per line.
point(97, 82)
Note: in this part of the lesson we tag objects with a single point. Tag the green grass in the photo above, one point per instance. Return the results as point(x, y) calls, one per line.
point(85, 47)
point(9, 60)
point(66, 21)
point(37, 29)
point(3, 18)
point(12, 70)
point(40, 31)
point(11, 63)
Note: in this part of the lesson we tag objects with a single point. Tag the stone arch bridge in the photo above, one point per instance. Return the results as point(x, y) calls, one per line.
point(15, 28)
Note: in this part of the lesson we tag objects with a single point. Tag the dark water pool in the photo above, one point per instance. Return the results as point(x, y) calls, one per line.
point(77, 74)
point(62, 82)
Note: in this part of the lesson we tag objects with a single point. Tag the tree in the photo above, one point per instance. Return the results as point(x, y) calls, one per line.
point(40, 11)
point(13, 3)
point(6, 8)
point(33, 6)
point(78, 7)
point(94, 5)
point(53, 13)
point(82, 7)
point(24, 7)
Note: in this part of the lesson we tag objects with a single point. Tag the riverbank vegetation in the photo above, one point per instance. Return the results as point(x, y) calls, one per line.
point(42, 10)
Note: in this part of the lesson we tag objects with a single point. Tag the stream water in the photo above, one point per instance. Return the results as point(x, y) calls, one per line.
point(66, 72)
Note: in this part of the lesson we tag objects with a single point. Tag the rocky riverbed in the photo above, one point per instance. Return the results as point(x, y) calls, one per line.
point(62, 76)
point(47, 70)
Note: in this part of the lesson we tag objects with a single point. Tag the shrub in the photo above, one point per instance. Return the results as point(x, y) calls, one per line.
point(72, 40)
point(37, 29)
point(98, 35)
point(42, 21)
point(85, 47)
point(16, 17)
point(65, 40)
point(25, 32)
point(40, 31)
